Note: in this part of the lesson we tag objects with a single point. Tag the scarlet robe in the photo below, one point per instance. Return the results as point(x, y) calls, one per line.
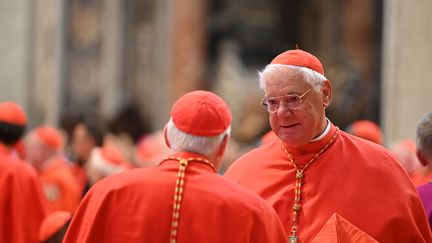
point(337, 230)
point(354, 178)
point(60, 186)
point(137, 205)
point(22, 207)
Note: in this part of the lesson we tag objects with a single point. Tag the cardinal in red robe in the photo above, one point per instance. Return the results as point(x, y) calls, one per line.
point(314, 170)
point(183, 199)
point(44, 151)
point(22, 207)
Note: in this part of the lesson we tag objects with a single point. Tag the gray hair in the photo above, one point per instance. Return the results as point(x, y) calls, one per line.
point(183, 142)
point(309, 75)
point(424, 135)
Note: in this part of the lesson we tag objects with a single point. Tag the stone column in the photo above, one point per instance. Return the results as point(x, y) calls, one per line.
point(113, 25)
point(46, 82)
point(407, 79)
point(158, 103)
point(187, 46)
point(15, 49)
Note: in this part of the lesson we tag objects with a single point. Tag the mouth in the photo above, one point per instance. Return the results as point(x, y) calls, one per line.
point(290, 126)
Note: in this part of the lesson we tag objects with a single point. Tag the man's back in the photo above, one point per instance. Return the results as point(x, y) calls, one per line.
point(21, 201)
point(136, 206)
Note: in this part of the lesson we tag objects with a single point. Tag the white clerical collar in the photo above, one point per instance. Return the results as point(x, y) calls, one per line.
point(326, 130)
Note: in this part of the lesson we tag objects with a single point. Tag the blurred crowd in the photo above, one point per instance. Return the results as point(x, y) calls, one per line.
point(70, 159)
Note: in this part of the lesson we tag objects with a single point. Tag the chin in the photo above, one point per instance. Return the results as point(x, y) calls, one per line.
point(294, 143)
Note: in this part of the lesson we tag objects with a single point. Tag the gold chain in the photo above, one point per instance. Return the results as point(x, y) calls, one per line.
point(297, 192)
point(178, 192)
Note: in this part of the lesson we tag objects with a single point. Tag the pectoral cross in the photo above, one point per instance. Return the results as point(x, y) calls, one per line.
point(293, 239)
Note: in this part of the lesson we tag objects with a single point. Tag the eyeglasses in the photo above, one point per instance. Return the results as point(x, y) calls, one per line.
point(292, 101)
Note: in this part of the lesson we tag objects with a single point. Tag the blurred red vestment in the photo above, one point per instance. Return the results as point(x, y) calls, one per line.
point(61, 187)
point(22, 207)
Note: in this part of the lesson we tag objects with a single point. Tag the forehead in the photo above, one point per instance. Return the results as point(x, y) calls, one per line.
point(32, 140)
point(281, 81)
point(80, 130)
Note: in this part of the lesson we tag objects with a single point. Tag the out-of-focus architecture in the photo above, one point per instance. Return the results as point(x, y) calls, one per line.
point(406, 81)
point(98, 56)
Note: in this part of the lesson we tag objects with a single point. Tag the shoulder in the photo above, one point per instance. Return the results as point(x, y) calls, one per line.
point(256, 158)
point(124, 181)
point(356, 145)
point(357, 141)
point(372, 159)
point(238, 195)
point(13, 166)
point(129, 177)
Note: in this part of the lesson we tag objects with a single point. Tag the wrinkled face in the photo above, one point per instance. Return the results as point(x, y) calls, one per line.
point(82, 143)
point(296, 127)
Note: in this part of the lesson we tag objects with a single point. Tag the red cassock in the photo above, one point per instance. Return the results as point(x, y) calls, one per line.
point(61, 187)
point(354, 178)
point(137, 206)
point(22, 206)
point(80, 176)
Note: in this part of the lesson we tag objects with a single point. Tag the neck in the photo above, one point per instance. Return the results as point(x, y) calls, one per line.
point(312, 147)
point(192, 157)
point(325, 128)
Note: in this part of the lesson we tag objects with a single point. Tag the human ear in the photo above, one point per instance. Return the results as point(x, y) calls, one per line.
point(166, 136)
point(421, 158)
point(223, 146)
point(326, 90)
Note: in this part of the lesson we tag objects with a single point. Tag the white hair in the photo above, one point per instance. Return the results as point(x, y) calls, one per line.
point(183, 142)
point(309, 75)
point(424, 135)
point(98, 167)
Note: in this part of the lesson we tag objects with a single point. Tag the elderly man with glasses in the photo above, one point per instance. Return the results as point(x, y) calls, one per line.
point(317, 176)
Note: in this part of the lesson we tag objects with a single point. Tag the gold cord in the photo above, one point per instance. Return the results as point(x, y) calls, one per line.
point(300, 174)
point(179, 188)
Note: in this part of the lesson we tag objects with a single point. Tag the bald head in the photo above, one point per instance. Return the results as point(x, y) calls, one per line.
point(37, 151)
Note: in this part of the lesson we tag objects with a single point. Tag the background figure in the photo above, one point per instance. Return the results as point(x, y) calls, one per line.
point(104, 162)
point(314, 170)
point(405, 152)
point(182, 199)
point(22, 206)
point(44, 151)
point(86, 135)
point(126, 129)
point(424, 154)
point(151, 149)
point(366, 129)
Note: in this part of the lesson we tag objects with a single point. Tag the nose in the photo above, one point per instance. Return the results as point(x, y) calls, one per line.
point(283, 110)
